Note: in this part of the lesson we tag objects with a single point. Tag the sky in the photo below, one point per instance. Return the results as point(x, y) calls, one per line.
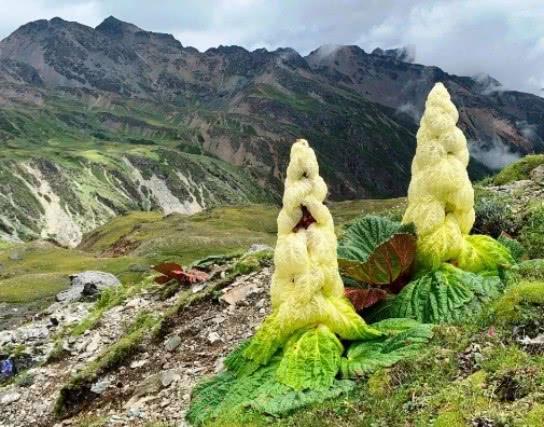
point(502, 38)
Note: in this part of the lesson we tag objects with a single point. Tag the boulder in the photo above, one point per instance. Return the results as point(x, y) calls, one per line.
point(87, 286)
point(537, 175)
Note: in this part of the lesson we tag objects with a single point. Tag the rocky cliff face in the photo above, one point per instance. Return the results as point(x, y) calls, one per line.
point(68, 90)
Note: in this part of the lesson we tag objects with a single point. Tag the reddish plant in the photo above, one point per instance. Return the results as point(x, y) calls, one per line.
point(306, 220)
point(173, 271)
point(364, 298)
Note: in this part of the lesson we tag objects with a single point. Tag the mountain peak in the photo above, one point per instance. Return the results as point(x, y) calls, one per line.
point(115, 27)
point(328, 54)
point(403, 54)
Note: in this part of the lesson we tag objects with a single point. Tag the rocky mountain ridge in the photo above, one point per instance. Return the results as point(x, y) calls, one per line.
point(81, 98)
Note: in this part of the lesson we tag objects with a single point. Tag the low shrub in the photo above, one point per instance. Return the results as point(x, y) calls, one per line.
point(531, 235)
point(493, 215)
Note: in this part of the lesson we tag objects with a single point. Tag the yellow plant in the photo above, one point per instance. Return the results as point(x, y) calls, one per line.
point(441, 197)
point(306, 289)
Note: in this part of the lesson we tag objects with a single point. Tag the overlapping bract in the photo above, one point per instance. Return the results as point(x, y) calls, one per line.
point(440, 195)
point(306, 286)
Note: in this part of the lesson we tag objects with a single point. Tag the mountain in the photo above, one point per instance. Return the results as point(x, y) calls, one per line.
point(97, 121)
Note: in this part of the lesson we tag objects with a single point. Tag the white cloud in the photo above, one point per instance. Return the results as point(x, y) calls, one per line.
point(503, 38)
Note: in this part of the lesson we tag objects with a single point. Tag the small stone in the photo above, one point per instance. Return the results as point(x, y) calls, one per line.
point(172, 343)
point(9, 397)
point(537, 175)
point(239, 294)
point(138, 364)
point(135, 412)
point(170, 376)
point(218, 319)
point(538, 340)
point(213, 337)
point(219, 365)
point(150, 385)
point(93, 344)
point(101, 386)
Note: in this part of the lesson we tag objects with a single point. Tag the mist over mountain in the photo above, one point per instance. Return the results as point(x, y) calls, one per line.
point(97, 121)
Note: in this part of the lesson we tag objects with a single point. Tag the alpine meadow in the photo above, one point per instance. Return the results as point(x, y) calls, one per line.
point(344, 232)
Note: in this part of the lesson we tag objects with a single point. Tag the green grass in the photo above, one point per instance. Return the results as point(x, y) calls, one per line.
point(37, 271)
point(519, 169)
point(43, 268)
point(32, 287)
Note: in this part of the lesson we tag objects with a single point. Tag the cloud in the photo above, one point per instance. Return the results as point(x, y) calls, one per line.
point(495, 156)
point(502, 38)
point(16, 13)
point(411, 110)
point(529, 131)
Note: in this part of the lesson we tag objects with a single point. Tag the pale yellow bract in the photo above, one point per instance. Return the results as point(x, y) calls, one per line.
point(440, 196)
point(307, 289)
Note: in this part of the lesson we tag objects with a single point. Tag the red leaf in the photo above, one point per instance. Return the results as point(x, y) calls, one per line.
point(171, 270)
point(195, 276)
point(388, 263)
point(306, 220)
point(364, 298)
point(167, 267)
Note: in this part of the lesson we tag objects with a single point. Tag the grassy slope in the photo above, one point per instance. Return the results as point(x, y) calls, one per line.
point(37, 271)
point(470, 375)
point(81, 146)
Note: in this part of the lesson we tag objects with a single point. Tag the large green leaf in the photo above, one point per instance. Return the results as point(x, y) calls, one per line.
point(311, 359)
point(228, 393)
point(284, 400)
point(448, 294)
point(408, 340)
point(376, 250)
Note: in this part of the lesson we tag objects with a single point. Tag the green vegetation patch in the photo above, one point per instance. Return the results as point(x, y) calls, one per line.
point(519, 169)
point(38, 271)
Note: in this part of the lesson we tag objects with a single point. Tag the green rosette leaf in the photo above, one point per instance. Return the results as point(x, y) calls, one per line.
point(446, 295)
point(409, 337)
point(311, 359)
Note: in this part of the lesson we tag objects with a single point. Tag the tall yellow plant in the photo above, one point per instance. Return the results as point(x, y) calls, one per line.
point(307, 290)
point(441, 197)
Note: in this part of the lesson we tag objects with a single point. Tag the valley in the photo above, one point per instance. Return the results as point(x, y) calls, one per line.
point(96, 122)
